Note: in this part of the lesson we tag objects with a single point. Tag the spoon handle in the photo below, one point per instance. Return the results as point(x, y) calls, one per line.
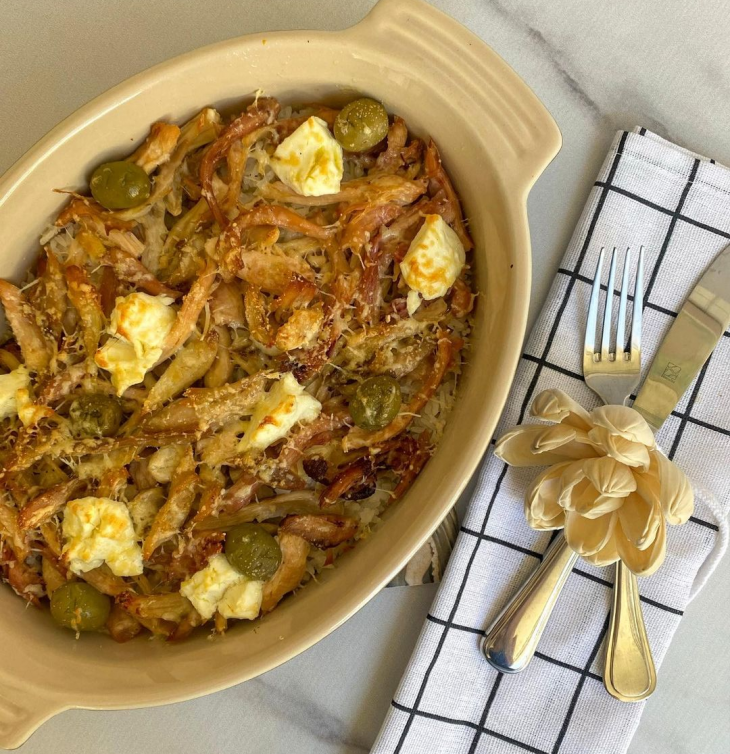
point(629, 675)
point(511, 641)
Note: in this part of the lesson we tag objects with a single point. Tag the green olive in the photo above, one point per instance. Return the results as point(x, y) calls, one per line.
point(376, 403)
point(253, 552)
point(80, 607)
point(361, 124)
point(120, 185)
point(95, 415)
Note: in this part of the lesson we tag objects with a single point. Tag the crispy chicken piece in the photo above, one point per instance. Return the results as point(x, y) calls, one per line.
point(271, 214)
point(157, 148)
point(287, 126)
point(202, 408)
point(192, 305)
point(226, 305)
point(461, 298)
point(364, 223)
point(85, 211)
point(300, 329)
point(172, 606)
point(62, 384)
point(360, 472)
point(437, 175)
point(262, 112)
point(34, 347)
point(48, 297)
point(377, 189)
point(128, 268)
point(12, 532)
point(190, 364)
point(325, 530)
point(257, 316)
point(270, 271)
point(121, 625)
point(105, 581)
point(291, 570)
point(48, 503)
point(297, 294)
point(171, 517)
point(390, 159)
point(87, 302)
point(221, 369)
point(25, 581)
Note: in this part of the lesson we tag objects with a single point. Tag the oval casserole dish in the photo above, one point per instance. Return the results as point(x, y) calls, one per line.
point(495, 138)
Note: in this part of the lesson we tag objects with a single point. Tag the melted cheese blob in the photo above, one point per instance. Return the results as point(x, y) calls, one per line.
point(242, 600)
point(99, 530)
point(139, 323)
point(10, 383)
point(310, 160)
point(433, 261)
point(205, 588)
point(280, 409)
point(219, 586)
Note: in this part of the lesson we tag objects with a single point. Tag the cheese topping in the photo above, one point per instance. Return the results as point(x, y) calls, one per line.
point(10, 383)
point(310, 160)
point(205, 589)
point(99, 530)
point(433, 261)
point(139, 323)
point(29, 412)
point(242, 600)
point(281, 408)
point(219, 586)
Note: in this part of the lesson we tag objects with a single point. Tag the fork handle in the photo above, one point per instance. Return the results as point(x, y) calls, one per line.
point(511, 641)
point(629, 675)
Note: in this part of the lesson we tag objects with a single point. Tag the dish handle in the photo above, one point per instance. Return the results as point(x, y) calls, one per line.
point(503, 109)
point(21, 713)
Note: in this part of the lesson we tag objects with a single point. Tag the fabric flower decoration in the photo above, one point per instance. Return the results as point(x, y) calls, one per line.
point(607, 483)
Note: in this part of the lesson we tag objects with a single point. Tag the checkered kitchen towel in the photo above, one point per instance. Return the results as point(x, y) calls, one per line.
point(677, 205)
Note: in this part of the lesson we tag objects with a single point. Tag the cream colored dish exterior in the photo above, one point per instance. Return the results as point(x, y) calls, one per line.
point(495, 137)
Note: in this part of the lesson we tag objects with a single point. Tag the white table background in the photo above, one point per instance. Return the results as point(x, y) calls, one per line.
point(598, 66)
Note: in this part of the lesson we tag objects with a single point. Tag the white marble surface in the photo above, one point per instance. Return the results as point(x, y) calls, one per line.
point(598, 66)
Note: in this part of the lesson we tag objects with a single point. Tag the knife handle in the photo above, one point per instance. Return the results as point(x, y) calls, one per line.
point(629, 675)
point(511, 641)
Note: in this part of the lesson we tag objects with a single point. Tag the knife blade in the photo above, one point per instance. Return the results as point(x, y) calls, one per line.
point(700, 324)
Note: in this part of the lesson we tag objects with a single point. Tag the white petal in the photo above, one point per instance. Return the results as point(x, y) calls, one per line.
point(624, 451)
point(609, 476)
point(607, 555)
point(538, 445)
point(640, 520)
point(624, 421)
point(572, 476)
point(588, 536)
point(643, 562)
point(578, 494)
point(676, 495)
point(541, 506)
point(556, 406)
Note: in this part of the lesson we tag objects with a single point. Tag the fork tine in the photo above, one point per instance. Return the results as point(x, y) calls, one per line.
point(607, 315)
point(621, 327)
point(589, 346)
point(638, 307)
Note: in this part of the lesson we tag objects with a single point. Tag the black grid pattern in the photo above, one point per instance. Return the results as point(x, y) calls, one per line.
point(551, 361)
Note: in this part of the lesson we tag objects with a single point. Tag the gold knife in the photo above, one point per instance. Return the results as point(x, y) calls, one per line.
point(700, 324)
point(629, 673)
